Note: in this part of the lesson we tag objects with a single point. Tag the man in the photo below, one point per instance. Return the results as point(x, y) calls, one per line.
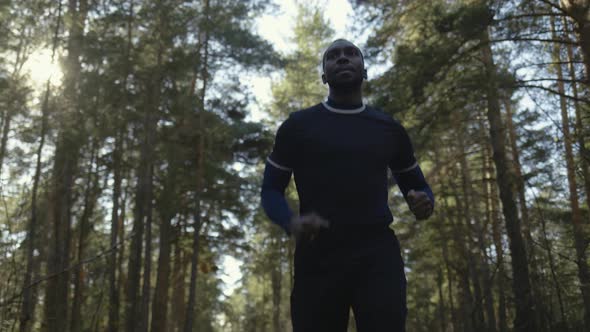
point(346, 255)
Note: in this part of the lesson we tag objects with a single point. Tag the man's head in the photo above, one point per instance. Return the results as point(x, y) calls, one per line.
point(343, 65)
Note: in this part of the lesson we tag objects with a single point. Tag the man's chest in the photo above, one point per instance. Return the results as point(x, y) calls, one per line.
point(349, 141)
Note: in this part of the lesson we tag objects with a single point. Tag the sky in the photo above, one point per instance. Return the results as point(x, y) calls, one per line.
point(278, 29)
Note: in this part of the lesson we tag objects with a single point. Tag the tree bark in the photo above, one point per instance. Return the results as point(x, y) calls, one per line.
point(525, 311)
point(580, 131)
point(579, 238)
point(493, 215)
point(147, 271)
point(178, 280)
point(68, 146)
point(204, 44)
point(90, 196)
point(114, 286)
point(526, 227)
point(26, 318)
point(276, 278)
point(113, 323)
point(579, 11)
point(167, 211)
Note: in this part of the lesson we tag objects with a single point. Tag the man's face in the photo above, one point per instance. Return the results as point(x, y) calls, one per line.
point(343, 65)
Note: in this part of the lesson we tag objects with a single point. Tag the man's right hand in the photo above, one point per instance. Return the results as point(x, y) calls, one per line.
point(308, 226)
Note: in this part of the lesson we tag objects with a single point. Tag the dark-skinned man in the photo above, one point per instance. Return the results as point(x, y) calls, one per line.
point(346, 255)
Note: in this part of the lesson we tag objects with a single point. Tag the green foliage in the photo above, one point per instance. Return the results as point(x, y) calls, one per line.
point(301, 85)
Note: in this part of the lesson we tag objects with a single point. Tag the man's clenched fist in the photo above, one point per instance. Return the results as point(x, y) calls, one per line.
point(308, 225)
point(420, 204)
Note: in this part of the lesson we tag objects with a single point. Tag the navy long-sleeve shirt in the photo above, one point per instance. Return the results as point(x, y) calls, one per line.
point(339, 158)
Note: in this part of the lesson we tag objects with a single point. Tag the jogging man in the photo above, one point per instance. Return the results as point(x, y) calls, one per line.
point(346, 255)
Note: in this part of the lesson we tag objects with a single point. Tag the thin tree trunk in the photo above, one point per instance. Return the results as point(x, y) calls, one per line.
point(26, 318)
point(147, 271)
point(580, 132)
point(178, 280)
point(114, 286)
point(138, 307)
point(151, 127)
point(441, 301)
point(5, 129)
point(462, 266)
point(122, 278)
point(547, 245)
point(525, 311)
point(445, 253)
point(526, 227)
point(204, 44)
point(167, 210)
point(276, 279)
point(113, 324)
point(475, 260)
point(90, 197)
point(579, 240)
point(519, 177)
point(488, 279)
point(579, 11)
point(497, 236)
point(69, 141)
point(160, 305)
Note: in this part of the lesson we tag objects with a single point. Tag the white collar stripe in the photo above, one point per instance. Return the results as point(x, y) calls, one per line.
point(343, 111)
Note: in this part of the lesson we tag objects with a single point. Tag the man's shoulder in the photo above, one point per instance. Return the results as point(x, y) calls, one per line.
point(305, 113)
point(377, 114)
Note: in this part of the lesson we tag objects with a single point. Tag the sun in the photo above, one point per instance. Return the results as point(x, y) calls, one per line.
point(40, 68)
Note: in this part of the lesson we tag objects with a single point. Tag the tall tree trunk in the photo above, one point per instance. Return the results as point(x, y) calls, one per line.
point(113, 324)
point(160, 305)
point(526, 227)
point(90, 196)
point(166, 208)
point(580, 131)
point(492, 197)
point(204, 44)
point(276, 278)
point(579, 238)
point(114, 286)
point(147, 271)
point(579, 11)
point(488, 281)
point(444, 247)
point(178, 280)
point(69, 141)
point(4, 140)
point(441, 301)
point(138, 310)
point(26, 318)
point(553, 268)
point(461, 266)
point(525, 311)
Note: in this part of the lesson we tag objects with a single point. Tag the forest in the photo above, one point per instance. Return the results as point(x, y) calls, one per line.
point(132, 172)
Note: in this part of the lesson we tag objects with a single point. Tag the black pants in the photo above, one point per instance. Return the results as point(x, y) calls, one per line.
point(349, 267)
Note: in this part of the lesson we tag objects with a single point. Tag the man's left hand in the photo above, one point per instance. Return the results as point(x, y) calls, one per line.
point(419, 204)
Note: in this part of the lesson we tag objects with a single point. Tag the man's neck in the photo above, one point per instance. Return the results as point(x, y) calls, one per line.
point(346, 97)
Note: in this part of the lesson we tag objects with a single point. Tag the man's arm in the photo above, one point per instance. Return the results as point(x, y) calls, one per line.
point(409, 176)
point(272, 196)
point(416, 191)
point(274, 183)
